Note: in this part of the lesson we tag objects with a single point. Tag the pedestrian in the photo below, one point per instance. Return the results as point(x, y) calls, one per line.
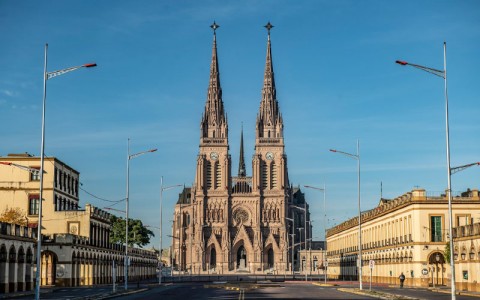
point(402, 279)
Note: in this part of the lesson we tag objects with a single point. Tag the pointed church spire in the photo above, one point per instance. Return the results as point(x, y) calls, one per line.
point(269, 119)
point(242, 172)
point(214, 124)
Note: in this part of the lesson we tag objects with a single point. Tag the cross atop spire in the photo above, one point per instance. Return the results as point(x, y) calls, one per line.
point(269, 26)
point(214, 26)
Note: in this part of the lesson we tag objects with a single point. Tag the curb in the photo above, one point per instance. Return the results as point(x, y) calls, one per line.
point(376, 294)
point(324, 284)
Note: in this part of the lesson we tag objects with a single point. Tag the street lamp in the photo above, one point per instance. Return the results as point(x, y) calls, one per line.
point(293, 236)
point(357, 157)
point(305, 226)
point(129, 157)
point(173, 242)
point(162, 188)
point(46, 76)
point(461, 168)
point(324, 190)
point(443, 74)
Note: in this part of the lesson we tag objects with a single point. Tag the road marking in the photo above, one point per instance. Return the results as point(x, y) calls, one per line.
point(241, 295)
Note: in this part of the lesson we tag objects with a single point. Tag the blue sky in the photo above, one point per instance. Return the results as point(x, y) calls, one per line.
point(336, 82)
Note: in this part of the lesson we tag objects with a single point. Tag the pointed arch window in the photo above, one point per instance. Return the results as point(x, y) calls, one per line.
point(264, 169)
point(208, 174)
point(218, 175)
point(273, 172)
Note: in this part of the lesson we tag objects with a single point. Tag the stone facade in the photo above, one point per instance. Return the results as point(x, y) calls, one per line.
point(225, 224)
point(407, 234)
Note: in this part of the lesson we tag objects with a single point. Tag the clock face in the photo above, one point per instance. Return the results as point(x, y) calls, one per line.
point(214, 155)
point(269, 155)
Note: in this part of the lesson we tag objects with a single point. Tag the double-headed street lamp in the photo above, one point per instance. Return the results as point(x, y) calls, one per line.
point(162, 188)
point(129, 157)
point(359, 262)
point(46, 76)
point(443, 74)
point(324, 190)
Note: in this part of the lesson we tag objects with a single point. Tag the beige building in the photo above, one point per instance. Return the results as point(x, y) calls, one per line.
point(225, 224)
point(76, 248)
point(313, 259)
point(466, 240)
point(407, 234)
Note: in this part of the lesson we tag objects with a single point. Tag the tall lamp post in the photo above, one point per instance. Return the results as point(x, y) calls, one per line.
point(46, 76)
point(129, 157)
point(293, 236)
point(305, 226)
point(360, 263)
point(443, 74)
point(324, 190)
point(162, 188)
point(300, 235)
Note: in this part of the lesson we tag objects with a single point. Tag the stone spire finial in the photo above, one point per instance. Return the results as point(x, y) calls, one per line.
point(242, 172)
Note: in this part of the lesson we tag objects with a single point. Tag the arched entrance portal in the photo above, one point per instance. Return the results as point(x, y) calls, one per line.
point(436, 262)
point(241, 258)
point(49, 267)
point(270, 258)
point(213, 259)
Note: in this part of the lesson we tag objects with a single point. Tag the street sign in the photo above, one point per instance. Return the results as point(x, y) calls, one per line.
point(425, 271)
point(371, 263)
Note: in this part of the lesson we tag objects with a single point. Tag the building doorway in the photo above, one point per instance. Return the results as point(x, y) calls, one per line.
point(213, 258)
point(241, 258)
point(49, 264)
point(436, 262)
point(270, 258)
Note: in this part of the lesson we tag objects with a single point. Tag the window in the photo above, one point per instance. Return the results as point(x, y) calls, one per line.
point(209, 174)
point(33, 201)
point(264, 171)
point(436, 228)
point(274, 175)
point(35, 175)
point(218, 175)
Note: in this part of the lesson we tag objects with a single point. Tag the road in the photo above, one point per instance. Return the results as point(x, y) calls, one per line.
point(240, 291)
point(245, 291)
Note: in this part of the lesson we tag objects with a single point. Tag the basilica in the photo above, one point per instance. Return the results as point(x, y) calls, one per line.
point(226, 224)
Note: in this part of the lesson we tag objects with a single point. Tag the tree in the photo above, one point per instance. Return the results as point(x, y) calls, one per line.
point(137, 233)
point(447, 252)
point(14, 215)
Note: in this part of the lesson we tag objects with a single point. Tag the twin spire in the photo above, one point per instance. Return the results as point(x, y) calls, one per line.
point(269, 119)
point(214, 120)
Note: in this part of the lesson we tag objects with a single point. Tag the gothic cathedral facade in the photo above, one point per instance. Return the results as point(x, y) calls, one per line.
point(225, 224)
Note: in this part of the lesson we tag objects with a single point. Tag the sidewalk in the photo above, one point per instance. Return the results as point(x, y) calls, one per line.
point(345, 287)
point(120, 291)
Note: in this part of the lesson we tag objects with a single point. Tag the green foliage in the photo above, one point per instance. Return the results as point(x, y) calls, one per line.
point(447, 252)
point(14, 215)
point(137, 233)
